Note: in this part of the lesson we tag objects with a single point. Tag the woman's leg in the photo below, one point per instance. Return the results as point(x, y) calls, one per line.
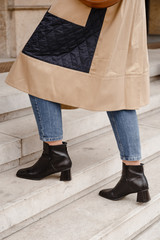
point(55, 157)
point(125, 126)
point(133, 180)
point(49, 120)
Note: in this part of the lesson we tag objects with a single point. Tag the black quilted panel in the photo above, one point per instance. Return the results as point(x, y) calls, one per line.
point(63, 43)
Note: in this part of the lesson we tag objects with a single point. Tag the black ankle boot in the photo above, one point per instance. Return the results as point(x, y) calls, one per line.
point(54, 159)
point(132, 180)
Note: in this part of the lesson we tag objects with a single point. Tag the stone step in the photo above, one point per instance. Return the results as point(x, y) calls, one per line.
point(90, 217)
point(154, 59)
point(23, 131)
point(13, 103)
point(94, 160)
point(151, 233)
point(10, 152)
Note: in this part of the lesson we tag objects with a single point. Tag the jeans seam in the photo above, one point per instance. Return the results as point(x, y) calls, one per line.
point(40, 125)
point(117, 134)
point(39, 116)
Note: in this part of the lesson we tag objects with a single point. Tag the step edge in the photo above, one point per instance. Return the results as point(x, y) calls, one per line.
point(128, 217)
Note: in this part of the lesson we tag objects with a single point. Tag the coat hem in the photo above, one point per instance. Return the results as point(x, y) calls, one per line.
point(78, 105)
point(74, 89)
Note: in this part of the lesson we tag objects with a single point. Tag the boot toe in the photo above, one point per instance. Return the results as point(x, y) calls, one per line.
point(21, 173)
point(110, 194)
point(104, 192)
point(25, 173)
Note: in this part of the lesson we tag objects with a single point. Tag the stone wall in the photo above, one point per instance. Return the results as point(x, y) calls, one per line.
point(24, 17)
point(18, 20)
point(3, 29)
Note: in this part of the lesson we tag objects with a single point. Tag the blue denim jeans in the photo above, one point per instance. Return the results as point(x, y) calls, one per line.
point(124, 124)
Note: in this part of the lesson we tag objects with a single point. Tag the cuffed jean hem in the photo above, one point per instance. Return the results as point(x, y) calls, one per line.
point(138, 158)
point(47, 139)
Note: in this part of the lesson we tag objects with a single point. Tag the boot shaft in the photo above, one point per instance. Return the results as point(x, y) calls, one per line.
point(132, 180)
point(134, 174)
point(59, 157)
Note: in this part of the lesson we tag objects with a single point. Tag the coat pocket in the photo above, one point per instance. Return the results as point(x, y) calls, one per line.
point(71, 10)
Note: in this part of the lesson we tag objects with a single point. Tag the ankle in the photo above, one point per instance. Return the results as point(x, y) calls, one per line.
point(52, 143)
point(131, 162)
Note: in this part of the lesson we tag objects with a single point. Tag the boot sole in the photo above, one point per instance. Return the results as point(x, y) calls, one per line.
point(65, 176)
point(142, 196)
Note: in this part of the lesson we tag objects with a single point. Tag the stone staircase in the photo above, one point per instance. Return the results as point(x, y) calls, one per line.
point(50, 209)
point(152, 232)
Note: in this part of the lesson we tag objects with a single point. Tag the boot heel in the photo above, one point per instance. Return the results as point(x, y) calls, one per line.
point(66, 175)
point(143, 196)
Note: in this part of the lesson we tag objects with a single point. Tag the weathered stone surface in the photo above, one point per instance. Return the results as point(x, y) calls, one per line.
point(93, 161)
point(153, 232)
point(10, 148)
point(11, 99)
point(3, 28)
point(93, 217)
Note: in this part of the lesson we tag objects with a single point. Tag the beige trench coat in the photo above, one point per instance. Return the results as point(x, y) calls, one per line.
point(118, 77)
